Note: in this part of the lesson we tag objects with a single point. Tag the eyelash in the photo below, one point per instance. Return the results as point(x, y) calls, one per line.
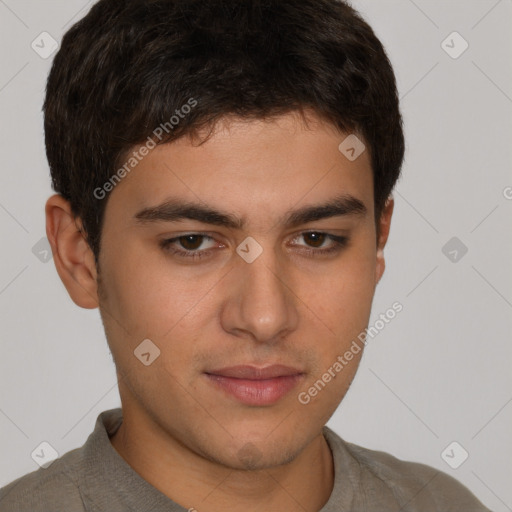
point(339, 243)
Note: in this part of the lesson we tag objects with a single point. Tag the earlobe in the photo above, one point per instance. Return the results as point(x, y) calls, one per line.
point(384, 228)
point(74, 259)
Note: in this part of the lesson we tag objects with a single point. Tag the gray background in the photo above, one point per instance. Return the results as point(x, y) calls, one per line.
point(438, 373)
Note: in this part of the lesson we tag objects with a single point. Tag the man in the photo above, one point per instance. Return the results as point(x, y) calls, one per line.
point(224, 173)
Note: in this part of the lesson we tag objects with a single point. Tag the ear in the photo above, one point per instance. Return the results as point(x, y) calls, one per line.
point(74, 259)
point(384, 227)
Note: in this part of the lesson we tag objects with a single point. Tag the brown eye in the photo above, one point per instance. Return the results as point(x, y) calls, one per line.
point(315, 239)
point(191, 242)
point(318, 243)
point(191, 245)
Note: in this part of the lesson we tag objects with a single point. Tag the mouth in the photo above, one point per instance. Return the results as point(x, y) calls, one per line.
point(256, 386)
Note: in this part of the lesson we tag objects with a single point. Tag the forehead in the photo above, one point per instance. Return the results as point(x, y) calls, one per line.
point(252, 169)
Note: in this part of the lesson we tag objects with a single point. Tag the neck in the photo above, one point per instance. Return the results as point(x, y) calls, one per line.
point(204, 485)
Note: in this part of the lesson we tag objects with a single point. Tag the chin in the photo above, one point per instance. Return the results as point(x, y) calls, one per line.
point(255, 455)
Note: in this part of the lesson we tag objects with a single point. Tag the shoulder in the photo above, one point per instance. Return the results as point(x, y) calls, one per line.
point(414, 486)
point(52, 488)
point(74, 482)
point(413, 481)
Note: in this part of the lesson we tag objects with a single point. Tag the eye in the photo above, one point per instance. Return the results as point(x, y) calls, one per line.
point(317, 240)
point(190, 242)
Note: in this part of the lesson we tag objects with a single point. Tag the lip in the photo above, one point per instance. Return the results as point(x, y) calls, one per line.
point(256, 386)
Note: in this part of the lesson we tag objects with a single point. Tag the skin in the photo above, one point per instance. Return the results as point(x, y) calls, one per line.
point(197, 445)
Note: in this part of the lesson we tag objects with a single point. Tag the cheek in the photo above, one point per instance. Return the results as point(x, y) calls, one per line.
point(343, 298)
point(344, 305)
point(151, 298)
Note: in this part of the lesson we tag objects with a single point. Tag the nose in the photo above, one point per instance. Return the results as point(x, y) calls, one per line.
point(261, 304)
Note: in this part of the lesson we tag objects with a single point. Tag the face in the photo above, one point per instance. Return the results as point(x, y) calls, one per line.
point(254, 249)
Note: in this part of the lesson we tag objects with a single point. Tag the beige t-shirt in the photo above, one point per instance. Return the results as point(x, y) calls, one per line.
point(96, 478)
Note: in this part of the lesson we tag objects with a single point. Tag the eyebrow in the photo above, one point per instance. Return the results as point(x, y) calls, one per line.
point(174, 210)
